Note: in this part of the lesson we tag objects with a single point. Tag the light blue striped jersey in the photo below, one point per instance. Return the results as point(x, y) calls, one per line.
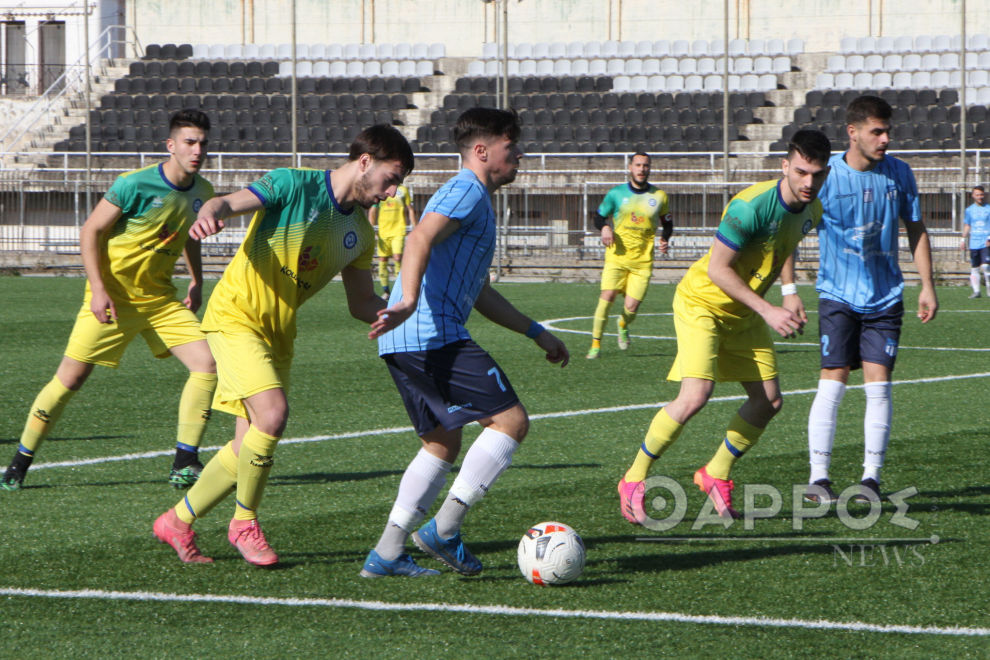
point(978, 219)
point(457, 271)
point(858, 233)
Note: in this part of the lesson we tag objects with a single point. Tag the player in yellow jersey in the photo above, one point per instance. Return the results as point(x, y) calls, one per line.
point(390, 216)
point(637, 210)
point(308, 226)
point(130, 244)
point(724, 326)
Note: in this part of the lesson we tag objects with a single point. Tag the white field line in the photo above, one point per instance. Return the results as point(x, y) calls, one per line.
point(498, 610)
point(549, 325)
point(409, 429)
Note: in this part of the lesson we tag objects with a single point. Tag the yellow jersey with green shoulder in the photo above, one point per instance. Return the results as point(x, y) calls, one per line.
point(392, 214)
point(764, 231)
point(139, 251)
point(636, 214)
point(294, 246)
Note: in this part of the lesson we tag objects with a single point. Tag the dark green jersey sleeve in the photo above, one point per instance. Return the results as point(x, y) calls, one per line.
point(610, 204)
point(123, 194)
point(274, 188)
point(738, 224)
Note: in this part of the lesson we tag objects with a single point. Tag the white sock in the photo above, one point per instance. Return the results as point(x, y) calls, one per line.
point(986, 276)
point(489, 456)
point(821, 426)
point(974, 279)
point(876, 428)
point(422, 482)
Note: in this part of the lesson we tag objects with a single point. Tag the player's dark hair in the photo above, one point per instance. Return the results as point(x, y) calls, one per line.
point(980, 188)
point(813, 146)
point(189, 118)
point(486, 124)
point(383, 142)
point(868, 107)
point(642, 153)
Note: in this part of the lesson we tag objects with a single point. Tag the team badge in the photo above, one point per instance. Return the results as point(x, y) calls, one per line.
point(197, 205)
point(653, 202)
point(350, 240)
point(806, 227)
point(157, 202)
point(867, 195)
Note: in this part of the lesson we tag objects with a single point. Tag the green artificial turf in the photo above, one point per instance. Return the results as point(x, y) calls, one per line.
point(89, 526)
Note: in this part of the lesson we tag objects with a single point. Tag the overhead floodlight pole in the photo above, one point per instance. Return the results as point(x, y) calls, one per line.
point(725, 107)
point(295, 120)
point(962, 100)
point(89, 125)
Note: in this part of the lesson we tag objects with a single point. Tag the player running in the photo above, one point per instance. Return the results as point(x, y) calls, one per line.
point(860, 287)
point(444, 378)
point(129, 245)
point(390, 216)
point(307, 227)
point(976, 228)
point(724, 325)
point(637, 209)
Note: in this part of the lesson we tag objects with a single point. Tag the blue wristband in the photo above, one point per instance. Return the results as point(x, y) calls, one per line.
point(535, 330)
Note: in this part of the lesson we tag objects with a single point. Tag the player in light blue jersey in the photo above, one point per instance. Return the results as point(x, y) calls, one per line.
point(861, 288)
point(976, 233)
point(446, 380)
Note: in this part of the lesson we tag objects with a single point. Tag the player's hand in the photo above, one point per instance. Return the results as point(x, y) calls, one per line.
point(607, 236)
point(927, 304)
point(785, 322)
point(99, 304)
point(194, 297)
point(206, 225)
point(554, 347)
point(793, 303)
point(663, 246)
point(391, 318)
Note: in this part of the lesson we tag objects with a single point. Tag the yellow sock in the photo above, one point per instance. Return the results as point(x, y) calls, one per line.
point(194, 409)
point(601, 319)
point(596, 343)
point(627, 317)
point(253, 465)
point(739, 439)
point(45, 411)
point(663, 432)
point(383, 272)
point(218, 480)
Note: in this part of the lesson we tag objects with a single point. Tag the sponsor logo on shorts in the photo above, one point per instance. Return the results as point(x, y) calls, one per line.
point(197, 205)
point(350, 240)
point(453, 409)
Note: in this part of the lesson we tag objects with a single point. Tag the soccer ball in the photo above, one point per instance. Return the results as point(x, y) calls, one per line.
point(551, 553)
point(493, 276)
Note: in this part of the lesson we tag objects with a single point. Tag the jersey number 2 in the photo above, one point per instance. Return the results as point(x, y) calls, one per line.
point(498, 377)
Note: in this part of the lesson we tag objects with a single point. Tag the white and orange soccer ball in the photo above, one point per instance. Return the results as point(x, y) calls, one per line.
point(551, 554)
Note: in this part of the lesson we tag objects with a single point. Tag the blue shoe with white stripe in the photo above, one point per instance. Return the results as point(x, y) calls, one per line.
point(452, 552)
point(375, 566)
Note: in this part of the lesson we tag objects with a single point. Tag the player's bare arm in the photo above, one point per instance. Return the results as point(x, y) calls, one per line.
point(964, 241)
point(785, 322)
point(373, 216)
point(792, 301)
point(411, 215)
point(362, 301)
point(431, 230)
point(102, 218)
point(194, 262)
point(921, 250)
point(210, 219)
point(493, 306)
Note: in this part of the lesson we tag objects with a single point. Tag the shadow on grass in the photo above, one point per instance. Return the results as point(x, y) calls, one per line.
point(14, 441)
point(331, 477)
point(663, 562)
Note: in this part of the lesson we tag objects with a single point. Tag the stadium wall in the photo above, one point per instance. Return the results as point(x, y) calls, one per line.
point(464, 24)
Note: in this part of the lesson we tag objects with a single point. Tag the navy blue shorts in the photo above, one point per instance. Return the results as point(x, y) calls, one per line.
point(979, 256)
point(450, 386)
point(849, 338)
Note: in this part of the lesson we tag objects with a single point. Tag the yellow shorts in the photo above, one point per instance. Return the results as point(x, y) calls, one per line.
point(162, 327)
point(245, 366)
point(708, 349)
point(391, 246)
point(633, 281)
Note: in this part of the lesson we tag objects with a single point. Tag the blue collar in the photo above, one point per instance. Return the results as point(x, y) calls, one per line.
point(333, 200)
point(161, 172)
point(637, 191)
point(780, 198)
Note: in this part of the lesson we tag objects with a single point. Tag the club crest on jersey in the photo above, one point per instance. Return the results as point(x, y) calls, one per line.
point(197, 205)
point(806, 227)
point(350, 240)
point(653, 202)
point(867, 195)
point(157, 202)
point(892, 193)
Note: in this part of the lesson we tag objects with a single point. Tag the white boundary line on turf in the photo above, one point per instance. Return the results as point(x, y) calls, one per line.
point(499, 610)
point(409, 429)
point(549, 325)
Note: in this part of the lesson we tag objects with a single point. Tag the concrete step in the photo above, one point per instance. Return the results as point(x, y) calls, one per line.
point(803, 80)
point(768, 132)
point(778, 115)
point(749, 146)
point(787, 97)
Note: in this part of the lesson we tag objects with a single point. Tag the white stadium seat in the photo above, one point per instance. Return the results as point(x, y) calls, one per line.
point(675, 83)
point(218, 51)
point(541, 51)
point(494, 68)
point(651, 67)
point(575, 50)
point(735, 83)
point(836, 63)
point(768, 83)
point(545, 68)
point(668, 65)
point(911, 63)
point(634, 67)
point(929, 62)
point(620, 84)
point(903, 45)
point(948, 61)
point(940, 79)
point(977, 79)
point(616, 67)
point(561, 68)
point(984, 61)
point(706, 66)
point(319, 52)
point(638, 84)
point(661, 48)
point(644, 49)
point(983, 96)
point(781, 65)
point(762, 65)
point(848, 45)
point(956, 43)
point(351, 51)
point(720, 65)
point(757, 47)
point(902, 80)
point(920, 79)
point(749, 83)
point(592, 50)
point(775, 47)
point(941, 44)
point(284, 69)
point(955, 78)
point(742, 65)
point(250, 52)
point(489, 51)
point(420, 52)
point(825, 81)
point(200, 52)
point(579, 67)
point(266, 52)
point(527, 68)
point(597, 68)
point(699, 47)
point(873, 63)
point(336, 52)
point(284, 52)
point(737, 47)
point(694, 83)
point(558, 50)
point(844, 81)
point(713, 83)
point(304, 69)
point(656, 84)
point(302, 51)
point(687, 66)
point(322, 69)
point(923, 44)
point(338, 69)
point(979, 42)
point(680, 48)
point(627, 49)
point(854, 63)
point(610, 49)
point(372, 69)
point(355, 69)
point(863, 80)
point(383, 52)
point(437, 51)
point(523, 51)
point(885, 45)
point(893, 63)
point(866, 46)
point(882, 80)
point(403, 51)
point(972, 61)
point(407, 68)
point(513, 67)
point(717, 48)
point(234, 52)
point(424, 68)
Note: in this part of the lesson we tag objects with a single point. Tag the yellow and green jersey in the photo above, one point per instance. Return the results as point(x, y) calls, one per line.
point(294, 246)
point(392, 214)
point(139, 251)
point(636, 214)
point(764, 231)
